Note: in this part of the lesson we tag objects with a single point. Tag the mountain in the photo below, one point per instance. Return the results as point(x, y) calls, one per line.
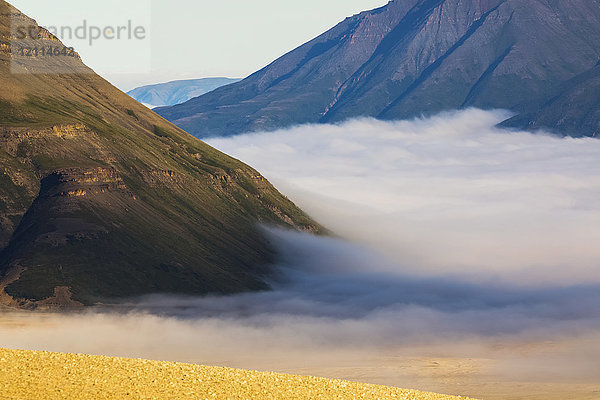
point(176, 92)
point(418, 57)
point(101, 198)
point(573, 110)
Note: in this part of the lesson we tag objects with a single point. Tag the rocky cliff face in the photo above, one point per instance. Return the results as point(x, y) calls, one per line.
point(414, 57)
point(100, 198)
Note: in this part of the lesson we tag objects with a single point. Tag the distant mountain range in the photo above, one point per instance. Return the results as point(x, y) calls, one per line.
point(537, 58)
point(176, 92)
point(100, 198)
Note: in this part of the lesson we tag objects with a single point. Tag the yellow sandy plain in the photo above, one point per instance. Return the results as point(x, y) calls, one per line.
point(28, 375)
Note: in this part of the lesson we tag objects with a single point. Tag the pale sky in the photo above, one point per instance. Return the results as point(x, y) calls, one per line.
point(188, 38)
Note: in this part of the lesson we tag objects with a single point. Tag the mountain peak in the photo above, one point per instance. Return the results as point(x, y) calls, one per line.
point(410, 58)
point(101, 198)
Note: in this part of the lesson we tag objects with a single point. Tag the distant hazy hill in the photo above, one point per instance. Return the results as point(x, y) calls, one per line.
point(176, 92)
point(413, 57)
point(101, 198)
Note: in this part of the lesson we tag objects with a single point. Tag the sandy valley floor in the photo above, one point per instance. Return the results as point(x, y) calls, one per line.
point(48, 376)
point(516, 371)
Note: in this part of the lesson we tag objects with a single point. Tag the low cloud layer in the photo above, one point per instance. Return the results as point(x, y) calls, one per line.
point(466, 253)
point(446, 195)
point(333, 312)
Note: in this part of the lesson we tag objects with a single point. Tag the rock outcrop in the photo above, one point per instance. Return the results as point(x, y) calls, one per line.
point(102, 199)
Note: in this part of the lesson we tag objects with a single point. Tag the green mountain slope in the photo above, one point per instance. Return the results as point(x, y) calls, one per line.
point(101, 198)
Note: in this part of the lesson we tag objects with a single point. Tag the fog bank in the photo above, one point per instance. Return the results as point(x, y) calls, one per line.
point(450, 194)
point(467, 263)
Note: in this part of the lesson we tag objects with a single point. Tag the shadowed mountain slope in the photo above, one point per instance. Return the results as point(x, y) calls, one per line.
point(415, 57)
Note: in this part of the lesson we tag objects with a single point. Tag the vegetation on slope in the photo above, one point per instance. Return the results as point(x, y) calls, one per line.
point(102, 198)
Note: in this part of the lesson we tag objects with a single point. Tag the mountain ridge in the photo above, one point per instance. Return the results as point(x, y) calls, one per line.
point(100, 198)
point(178, 91)
point(412, 58)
